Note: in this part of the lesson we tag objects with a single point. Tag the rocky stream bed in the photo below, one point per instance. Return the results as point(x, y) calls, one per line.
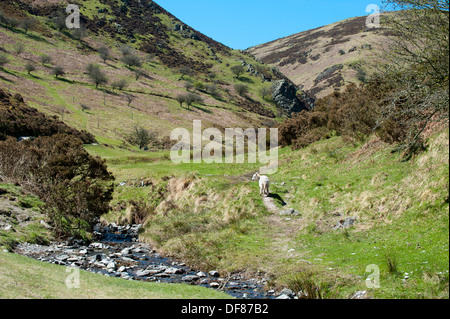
point(117, 252)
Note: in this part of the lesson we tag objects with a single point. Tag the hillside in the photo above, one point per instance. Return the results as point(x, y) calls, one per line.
point(170, 53)
point(352, 213)
point(324, 59)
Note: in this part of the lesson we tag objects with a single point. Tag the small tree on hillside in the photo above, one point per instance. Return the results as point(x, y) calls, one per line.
point(185, 71)
point(3, 60)
point(181, 98)
point(119, 84)
point(30, 67)
point(104, 53)
point(57, 71)
point(237, 70)
point(19, 47)
point(142, 137)
point(192, 98)
point(79, 33)
point(131, 60)
point(45, 59)
point(96, 75)
point(27, 24)
point(59, 22)
point(241, 89)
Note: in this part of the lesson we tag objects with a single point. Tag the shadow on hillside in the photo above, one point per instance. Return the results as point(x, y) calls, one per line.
point(278, 198)
point(246, 80)
point(6, 79)
point(201, 109)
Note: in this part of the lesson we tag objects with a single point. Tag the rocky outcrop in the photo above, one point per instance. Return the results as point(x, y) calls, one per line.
point(285, 96)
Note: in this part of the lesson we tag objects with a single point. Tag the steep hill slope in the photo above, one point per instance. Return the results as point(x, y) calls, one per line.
point(170, 53)
point(324, 59)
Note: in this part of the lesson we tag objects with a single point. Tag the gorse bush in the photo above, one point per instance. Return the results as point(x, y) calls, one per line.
point(17, 119)
point(75, 187)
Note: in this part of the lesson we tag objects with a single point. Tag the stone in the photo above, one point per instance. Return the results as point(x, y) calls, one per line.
point(233, 285)
point(214, 273)
point(143, 273)
point(201, 274)
point(62, 257)
point(288, 292)
point(214, 284)
point(284, 95)
point(111, 265)
point(347, 223)
point(190, 278)
point(283, 297)
point(174, 271)
point(360, 295)
point(290, 212)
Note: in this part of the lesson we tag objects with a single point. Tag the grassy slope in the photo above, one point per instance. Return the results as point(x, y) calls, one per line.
point(110, 117)
point(220, 222)
point(22, 277)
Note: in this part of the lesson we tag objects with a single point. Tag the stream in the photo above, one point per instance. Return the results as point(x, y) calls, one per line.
point(116, 252)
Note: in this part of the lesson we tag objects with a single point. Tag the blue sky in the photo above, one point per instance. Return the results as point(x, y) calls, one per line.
point(240, 24)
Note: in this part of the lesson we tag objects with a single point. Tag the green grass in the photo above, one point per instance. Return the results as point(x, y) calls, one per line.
point(401, 209)
point(22, 277)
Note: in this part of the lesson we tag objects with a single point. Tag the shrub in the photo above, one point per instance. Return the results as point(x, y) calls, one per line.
point(19, 47)
point(17, 119)
point(27, 24)
point(131, 60)
point(79, 33)
point(212, 90)
point(199, 86)
point(30, 67)
point(104, 54)
point(241, 89)
point(119, 84)
point(301, 126)
point(237, 70)
point(142, 137)
point(45, 59)
point(75, 187)
point(96, 75)
point(57, 71)
point(3, 60)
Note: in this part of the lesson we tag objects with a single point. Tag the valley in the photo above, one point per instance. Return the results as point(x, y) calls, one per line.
point(358, 204)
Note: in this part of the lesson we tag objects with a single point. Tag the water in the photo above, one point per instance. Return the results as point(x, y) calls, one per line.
point(118, 253)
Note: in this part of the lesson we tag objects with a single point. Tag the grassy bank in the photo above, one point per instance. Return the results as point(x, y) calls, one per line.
point(212, 216)
point(22, 277)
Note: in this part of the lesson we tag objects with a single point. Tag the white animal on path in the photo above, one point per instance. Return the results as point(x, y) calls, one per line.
point(264, 184)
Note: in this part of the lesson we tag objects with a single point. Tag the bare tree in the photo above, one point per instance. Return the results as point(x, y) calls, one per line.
point(416, 66)
point(45, 59)
point(181, 98)
point(96, 75)
point(119, 84)
point(129, 98)
point(3, 60)
point(185, 71)
point(19, 47)
point(57, 71)
point(191, 98)
point(27, 24)
point(30, 67)
point(131, 60)
point(142, 137)
point(104, 53)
